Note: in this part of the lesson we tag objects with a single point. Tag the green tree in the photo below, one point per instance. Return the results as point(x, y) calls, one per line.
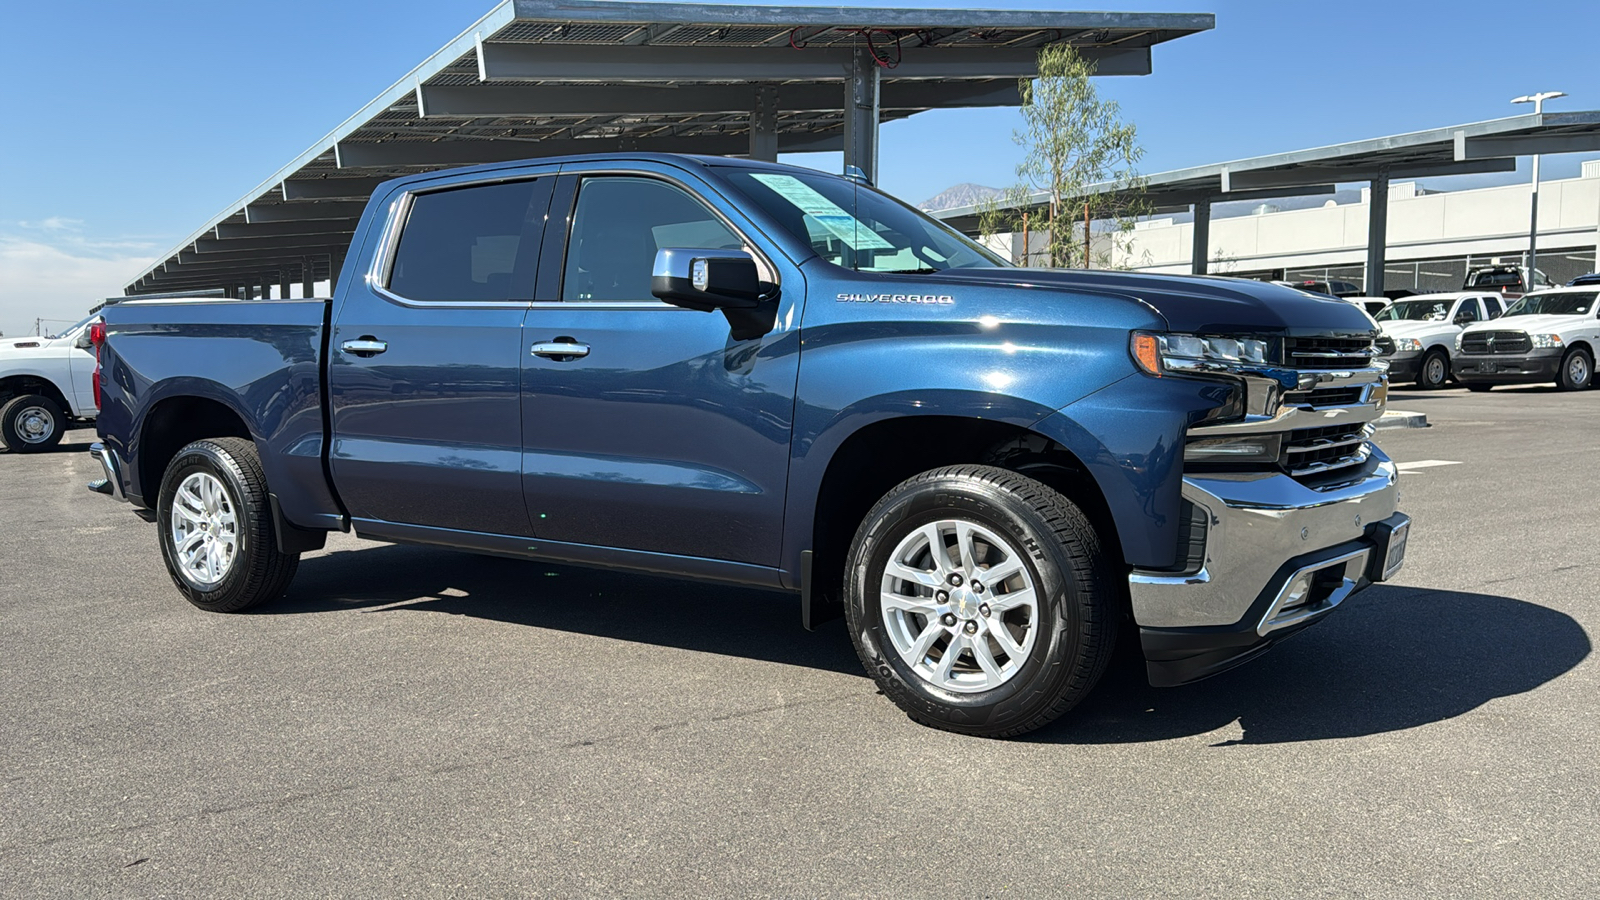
point(1071, 139)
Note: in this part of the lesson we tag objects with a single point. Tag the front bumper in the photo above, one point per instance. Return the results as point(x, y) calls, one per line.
point(1265, 535)
point(1403, 365)
point(1507, 368)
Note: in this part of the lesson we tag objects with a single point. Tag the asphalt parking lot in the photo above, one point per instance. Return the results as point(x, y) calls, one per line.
point(419, 722)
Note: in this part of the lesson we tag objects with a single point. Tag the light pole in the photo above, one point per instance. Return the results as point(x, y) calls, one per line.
point(1533, 224)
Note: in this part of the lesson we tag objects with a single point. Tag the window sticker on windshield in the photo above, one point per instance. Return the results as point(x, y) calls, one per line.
point(856, 234)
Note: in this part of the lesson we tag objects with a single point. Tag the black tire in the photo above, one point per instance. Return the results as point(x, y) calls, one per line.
point(1075, 617)
point(1479, 387)
point(1577, 370)
point(31, 423)
point(259, 572)
point(1434, 370)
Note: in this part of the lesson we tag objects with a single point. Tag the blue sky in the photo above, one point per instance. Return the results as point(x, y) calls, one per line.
point(128, 125)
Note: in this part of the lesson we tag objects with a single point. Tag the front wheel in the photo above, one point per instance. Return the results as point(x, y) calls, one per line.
point(980, 600)
point(217, 529)
point(1434, 371)
point(1577, 370)
point(31, 423)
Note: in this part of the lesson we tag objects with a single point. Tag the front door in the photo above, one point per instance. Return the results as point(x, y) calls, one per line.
point(426, 358)
point(647, 426)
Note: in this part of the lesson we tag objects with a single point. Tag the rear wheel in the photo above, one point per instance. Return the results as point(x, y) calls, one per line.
point(980, 600)
point(217, 529)
point(31, 423)
point(1434, 370)
point(1577, 370)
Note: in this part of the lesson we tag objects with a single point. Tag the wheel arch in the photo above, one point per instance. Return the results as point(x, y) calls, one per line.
point(174, 422)
point(860, 471)
point(33, 383)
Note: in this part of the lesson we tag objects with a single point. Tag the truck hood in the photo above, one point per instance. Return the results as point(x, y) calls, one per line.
point(29, 347)
point(1197, 304)
point(1530, 324)
point(1419, 330)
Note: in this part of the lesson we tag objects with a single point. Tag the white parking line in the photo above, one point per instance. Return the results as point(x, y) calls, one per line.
point(1425, 464)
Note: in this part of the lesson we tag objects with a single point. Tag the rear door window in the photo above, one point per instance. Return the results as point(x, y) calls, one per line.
point(475, 243)
point(1494, 306)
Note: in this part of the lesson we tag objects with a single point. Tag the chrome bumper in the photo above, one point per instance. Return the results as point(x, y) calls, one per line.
point(1262, 532)
point(111, 466)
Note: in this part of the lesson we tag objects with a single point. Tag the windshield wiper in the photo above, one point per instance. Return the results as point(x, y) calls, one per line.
point(923, 271)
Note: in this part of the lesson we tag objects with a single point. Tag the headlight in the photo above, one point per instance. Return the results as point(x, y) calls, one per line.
point(1407, 345)
point(1546, 341)
point(1252, 448)
point(1160, 354)
point(1458, 342)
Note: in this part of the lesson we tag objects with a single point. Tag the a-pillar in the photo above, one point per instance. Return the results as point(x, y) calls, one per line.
point(764, 124)
point(1200, 255)
point(1377, 232)
point(861, 113)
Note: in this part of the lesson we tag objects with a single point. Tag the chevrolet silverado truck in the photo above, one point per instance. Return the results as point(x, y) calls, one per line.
point(1419, 333)
point(46, 383)
point(744, 372)
point(1550, 335)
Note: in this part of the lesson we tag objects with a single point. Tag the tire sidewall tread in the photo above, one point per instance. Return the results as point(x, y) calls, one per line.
point(260, 572)
point(1071, 575)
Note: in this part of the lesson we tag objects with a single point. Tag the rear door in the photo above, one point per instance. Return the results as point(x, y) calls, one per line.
point(658, 431)
point(426, 355)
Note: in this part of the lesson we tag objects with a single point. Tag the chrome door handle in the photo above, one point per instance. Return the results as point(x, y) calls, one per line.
point(365, 346)
point(561, 350)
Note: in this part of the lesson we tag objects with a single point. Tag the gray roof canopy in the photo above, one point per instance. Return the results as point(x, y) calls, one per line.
point(538, 78)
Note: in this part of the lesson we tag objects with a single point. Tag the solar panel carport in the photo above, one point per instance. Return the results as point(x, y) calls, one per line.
point(1476, 147)
point(537, 78)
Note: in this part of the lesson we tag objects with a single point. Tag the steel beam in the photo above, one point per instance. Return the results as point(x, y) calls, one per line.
point(764, 124)
point(331, 188)
point(1525, 145)
point(317, 242)
point(469, 152)
point(547, 62)
point(190, 261)
point(511, 101)
point(861, 113)
point(1199, 255)
point(1377, 234)
point(294, 212)
point(1250, 179)
point(231, 230)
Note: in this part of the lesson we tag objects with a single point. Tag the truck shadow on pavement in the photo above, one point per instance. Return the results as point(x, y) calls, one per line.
point(1392, 658)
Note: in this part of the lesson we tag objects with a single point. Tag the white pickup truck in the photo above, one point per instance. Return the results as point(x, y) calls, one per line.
point(45, 384)
point(1419, 333)
point(1546, 336)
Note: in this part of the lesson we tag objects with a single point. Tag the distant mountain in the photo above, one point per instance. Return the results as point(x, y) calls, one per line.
point(961, 195)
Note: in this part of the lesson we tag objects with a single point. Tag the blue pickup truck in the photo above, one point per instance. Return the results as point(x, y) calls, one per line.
point(752, 373)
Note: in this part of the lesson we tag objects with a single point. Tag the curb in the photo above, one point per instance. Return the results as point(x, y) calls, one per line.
point(1399, 418)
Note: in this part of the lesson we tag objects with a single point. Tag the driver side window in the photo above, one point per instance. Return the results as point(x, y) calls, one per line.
point(619, 224)
point(1467, 311)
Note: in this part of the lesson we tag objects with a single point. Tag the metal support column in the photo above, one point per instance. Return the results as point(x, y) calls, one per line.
point(308, 278)
point(266, 286)
point(1377, 233)
point(861, 113)
point(1201, 254)
point(335, 263)
point(283, 283)
point(764, 124)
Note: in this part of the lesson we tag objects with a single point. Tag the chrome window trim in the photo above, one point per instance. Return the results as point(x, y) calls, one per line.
point(382, 267)
point(763, 260)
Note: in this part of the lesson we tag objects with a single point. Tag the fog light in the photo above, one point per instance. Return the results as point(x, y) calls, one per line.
point(1297, 594)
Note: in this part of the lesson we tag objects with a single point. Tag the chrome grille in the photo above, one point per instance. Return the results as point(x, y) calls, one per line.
point(1314, 451)
point(1327, 352)
point(1325, 397)
point(1496, 342)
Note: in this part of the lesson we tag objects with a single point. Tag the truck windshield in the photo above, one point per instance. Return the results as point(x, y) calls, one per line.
point(1577, 303)
point(1415, 311)
point(857, 227)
